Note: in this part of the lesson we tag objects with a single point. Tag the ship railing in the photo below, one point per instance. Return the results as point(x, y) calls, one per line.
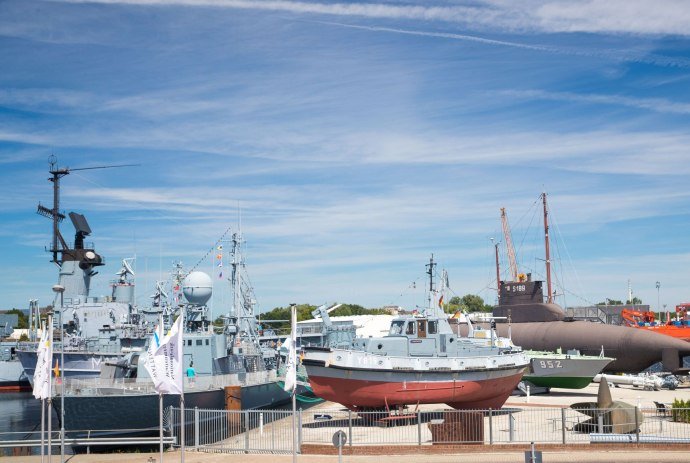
point(101, 386)
point(272, 430)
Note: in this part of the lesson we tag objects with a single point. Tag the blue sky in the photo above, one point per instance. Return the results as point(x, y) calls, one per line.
point(357, 138)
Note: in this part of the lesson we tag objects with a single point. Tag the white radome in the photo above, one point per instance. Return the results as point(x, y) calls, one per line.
point(197, 288)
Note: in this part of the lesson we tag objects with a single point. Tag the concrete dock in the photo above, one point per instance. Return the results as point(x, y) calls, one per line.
point(400, 452)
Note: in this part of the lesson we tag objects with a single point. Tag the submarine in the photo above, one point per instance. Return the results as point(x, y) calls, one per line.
point(534, 324)
point(522, 314)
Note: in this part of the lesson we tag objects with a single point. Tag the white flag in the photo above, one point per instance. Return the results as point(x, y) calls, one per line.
point(291, 370)
point(154, 344)
point(42, 372)
point(165, 365)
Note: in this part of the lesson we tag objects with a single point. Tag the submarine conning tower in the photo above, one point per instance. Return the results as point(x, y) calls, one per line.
point(523, 301)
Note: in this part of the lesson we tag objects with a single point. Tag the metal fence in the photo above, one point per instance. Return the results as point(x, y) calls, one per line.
point(271, 431)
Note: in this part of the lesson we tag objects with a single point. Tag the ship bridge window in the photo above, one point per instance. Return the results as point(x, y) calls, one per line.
point(199, 342)
point(410, 328)
point(433, 326)
point(396, 327)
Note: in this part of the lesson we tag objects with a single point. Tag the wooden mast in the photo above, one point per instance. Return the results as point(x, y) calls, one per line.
point(549, 299)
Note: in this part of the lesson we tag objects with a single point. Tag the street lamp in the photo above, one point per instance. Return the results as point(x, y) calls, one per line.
point(658, 298)
point(59, 289)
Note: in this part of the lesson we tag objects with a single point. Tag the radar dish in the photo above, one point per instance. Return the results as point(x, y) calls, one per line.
point(197, 288)
point(80, 223)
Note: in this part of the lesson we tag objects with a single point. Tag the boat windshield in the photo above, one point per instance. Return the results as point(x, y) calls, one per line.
point(396, 327)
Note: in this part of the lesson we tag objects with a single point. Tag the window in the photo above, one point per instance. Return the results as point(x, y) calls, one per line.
point(189, 342)
point(410, 328)
point(396, 327)
point(433, 326)
point(199, 342)
point(207, 342)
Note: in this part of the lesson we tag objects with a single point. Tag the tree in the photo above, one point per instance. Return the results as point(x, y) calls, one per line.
point(634, 301)
point(467, 303)
point(608, 301)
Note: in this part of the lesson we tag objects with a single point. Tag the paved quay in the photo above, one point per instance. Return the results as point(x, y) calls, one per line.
point(583, 456)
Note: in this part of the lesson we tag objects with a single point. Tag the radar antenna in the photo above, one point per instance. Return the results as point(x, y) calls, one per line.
point(59, 244)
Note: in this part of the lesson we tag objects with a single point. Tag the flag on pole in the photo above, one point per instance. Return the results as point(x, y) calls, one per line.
point(291, 370)
point(45, 357)
point(165, 365)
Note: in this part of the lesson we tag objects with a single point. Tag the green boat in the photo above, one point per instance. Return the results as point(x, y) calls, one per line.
point(571, 370)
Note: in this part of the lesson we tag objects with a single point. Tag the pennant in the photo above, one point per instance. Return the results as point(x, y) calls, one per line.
point(291, 370)
point(42, 380)
point(219, 256)
point(56, 369)
point(220, 247)
point(220, 275)
point(220, 264)
point(440, 302)
point(164, 360)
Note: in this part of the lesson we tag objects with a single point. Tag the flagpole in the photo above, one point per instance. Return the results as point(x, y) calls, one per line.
point(160, 394)
point(43, 428)
point(293, 330)
point(50, 392)
point(182, 328)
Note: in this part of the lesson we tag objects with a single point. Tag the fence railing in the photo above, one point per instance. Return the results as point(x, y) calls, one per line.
point(272, 431)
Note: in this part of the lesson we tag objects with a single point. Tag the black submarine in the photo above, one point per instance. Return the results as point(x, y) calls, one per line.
point(522, 314)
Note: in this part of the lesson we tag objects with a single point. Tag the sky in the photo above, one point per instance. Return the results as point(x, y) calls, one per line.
point(351, 141)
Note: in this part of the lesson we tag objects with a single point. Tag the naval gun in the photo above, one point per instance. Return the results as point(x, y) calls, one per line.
point(332, 335)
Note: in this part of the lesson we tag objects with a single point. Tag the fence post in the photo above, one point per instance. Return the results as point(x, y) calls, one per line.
point(349, 427)
point(419, 428)
point(491, 427)
point(563, 424)
point(196, 428)
point(600, 423)
point(511, 426)
point(88, 447)
point(246, 431)
point(637, 426)
point(299, 431)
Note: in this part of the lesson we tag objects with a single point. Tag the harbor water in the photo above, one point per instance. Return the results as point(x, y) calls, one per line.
point(21, 419)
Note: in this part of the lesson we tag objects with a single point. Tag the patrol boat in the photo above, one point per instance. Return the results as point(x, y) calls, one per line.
point(420, 361)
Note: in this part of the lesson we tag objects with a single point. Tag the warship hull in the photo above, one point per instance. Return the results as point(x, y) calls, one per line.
point(77, 364)
point(563, 370)
point(130, 414)
point(12, 377)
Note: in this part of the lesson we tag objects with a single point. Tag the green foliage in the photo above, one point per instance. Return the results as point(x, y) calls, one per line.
point(23, 322)
point(608, 301)
point(467, 303)
point(680, 410)
point(23, 337)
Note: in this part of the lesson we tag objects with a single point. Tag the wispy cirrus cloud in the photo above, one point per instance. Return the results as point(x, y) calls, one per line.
point(660, 105)
point(615, 16)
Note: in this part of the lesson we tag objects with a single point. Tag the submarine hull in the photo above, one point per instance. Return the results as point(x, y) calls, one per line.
point(634, 350)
